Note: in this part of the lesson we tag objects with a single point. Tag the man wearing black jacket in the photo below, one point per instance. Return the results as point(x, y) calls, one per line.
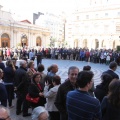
point(68, 85)
point(111, 71)
point(21, 87)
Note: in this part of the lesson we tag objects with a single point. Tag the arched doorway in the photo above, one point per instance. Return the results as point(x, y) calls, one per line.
point(5, 40)
point(24, 40)
point(76, 43)
point(103, 44)
point(96, 43)
point(38, 41)
point(85, 43)
point(114, 44)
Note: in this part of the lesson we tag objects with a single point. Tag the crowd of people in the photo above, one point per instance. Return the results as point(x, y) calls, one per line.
point(75, 99)
point(102, 56)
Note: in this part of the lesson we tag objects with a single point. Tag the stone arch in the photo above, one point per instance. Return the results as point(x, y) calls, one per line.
point(114, 44)
point(96, 43)
point(85, 43)
point(103, 44)
point(5, 40)
point(38, 41)
point(76, 43)
point(24, 40)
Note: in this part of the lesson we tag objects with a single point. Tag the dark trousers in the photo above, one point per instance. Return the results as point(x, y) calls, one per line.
point(63, 116)
point(4, 102)
point(54, 115)
point(39, 62)
point(10, 92)
point(21, 100)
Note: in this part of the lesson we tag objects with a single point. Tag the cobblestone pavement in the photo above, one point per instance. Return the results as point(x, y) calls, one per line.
point(63, 68)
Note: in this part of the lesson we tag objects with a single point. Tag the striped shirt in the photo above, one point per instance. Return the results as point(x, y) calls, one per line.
point(81, 106)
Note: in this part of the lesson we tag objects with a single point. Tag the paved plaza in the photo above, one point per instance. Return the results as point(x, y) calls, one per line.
point(63, 69)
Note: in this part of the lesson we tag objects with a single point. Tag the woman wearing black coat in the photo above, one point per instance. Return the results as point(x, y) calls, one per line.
point(9, 73)
point(110, 105)
point(102, 89)
point(36, 90)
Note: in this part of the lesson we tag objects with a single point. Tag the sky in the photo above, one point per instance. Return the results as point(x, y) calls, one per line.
point(24, 9)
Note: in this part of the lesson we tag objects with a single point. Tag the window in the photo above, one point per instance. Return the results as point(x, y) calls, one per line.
point(87, 16)
point(96, 16)
point(77, 17)
point(118, 13)
point(106, 14)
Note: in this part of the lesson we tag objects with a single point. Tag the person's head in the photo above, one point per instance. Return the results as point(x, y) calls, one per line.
point(113, 66)
point(9, 63)
point(41, 68)
point(31, 64)
point(106, 79)
point(36, 78)
point(4, 113)
point(54, 68)
point(87, 68)
point(84, 79)
point(40, 113)
point(1, 73)
point(14, 61)
point(49, 69)
point(114, 93)
point(23, 63)
point(72, 73)
point(56, 80)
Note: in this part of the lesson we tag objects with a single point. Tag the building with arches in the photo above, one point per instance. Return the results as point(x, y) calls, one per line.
point(95, 26)
point(14, 33)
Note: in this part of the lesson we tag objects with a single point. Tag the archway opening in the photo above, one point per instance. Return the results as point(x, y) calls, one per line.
point(5, 40)
point(38, 41)
point(103, 44)
point(114, 44)
point(85, 43)
point(24, 40)
point(96, 43)
point(76, 43)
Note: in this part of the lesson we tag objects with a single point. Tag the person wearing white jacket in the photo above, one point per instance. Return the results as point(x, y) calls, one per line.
point(50, 96)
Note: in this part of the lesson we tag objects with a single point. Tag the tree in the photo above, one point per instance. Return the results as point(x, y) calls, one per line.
point(52, 42)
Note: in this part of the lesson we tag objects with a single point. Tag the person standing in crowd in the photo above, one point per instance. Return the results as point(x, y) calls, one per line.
point(91, 91)
point(51, 74)
point(14, 60)
point(3, 91)
point(32, 55)
point(36, 90)
point(101, 90)
point(21, 86)
point(111, 71)
point(40, 70)
point(110, 105)
point(9, 73)
point(4, 113)
point(80, 105)
point(39, 57)
point(68, 85)
point(40, 113)
point(2, 66)
point(31, 70)
point(51, 95)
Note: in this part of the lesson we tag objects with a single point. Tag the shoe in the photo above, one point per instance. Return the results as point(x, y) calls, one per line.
point(28, 114)
point(18, 112)
point(11, 106)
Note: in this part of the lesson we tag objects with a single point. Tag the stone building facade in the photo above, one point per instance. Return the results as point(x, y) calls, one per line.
point(14, 33)
point(96, 26)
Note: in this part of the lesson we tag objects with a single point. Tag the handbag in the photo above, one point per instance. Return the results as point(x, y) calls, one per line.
point(31, 99)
